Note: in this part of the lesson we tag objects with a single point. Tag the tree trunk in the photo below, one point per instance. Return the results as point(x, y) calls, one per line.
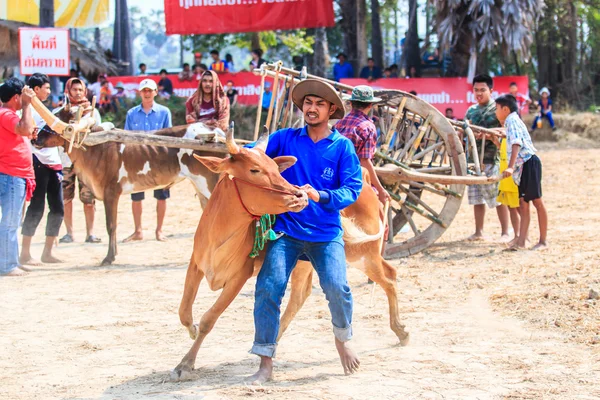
point(413, 56)
point(97, 39)
point(376, 37)
point(361, 33)
point(348, 23)
point(321, 53)
point(122, 36)
point(460, 55)
point(255, 40)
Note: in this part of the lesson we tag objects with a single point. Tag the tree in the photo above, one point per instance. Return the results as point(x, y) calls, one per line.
point(413, 56)
point(376, 36)
point(469, 27)
point(122, 36)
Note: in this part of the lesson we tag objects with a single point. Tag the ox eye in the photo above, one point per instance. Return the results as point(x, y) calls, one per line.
point(255, 171)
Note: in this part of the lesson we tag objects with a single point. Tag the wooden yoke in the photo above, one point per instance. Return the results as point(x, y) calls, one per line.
point(60, 127)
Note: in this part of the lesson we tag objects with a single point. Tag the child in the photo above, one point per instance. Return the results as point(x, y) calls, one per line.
point(525, 168)
point(508, 193)
point(545, 105)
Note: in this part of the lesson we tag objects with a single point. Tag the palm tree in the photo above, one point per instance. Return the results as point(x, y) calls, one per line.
point(469, 27)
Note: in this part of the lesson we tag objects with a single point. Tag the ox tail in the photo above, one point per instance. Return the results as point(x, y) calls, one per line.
point(353, 234)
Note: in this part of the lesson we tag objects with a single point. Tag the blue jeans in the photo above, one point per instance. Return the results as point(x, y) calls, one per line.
point(548, 115)
point(12, 196)
point(328, 259)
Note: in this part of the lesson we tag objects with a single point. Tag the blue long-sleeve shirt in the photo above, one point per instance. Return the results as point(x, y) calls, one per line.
point(159, 117)
point(332, 168)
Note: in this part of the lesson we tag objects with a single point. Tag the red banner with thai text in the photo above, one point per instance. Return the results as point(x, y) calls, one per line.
point(442, 93)
point(187, 17)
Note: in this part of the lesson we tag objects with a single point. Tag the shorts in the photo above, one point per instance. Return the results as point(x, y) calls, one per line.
point(485, 194)
point(510, 199)
point(159, 194)
point(530, 187)
point(68, 186)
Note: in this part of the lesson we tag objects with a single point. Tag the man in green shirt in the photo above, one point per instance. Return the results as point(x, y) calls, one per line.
point(484, 114)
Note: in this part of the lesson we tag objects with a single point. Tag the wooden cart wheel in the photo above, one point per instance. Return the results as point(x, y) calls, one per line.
point(417, 135)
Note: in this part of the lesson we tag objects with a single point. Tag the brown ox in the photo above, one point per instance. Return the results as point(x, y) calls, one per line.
point(111, 169)
point(225, 234)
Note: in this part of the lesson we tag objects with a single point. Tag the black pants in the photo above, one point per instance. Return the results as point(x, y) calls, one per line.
point(47, 185)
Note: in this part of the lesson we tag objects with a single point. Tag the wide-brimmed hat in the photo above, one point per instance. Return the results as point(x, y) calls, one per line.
point(363, 94)
point(313, 87)
point(120, 85)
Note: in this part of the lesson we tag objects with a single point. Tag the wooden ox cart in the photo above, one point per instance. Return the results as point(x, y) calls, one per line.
point(421, 157)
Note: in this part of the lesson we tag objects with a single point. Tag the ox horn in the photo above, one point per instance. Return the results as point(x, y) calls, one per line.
point(232, 146)
point(263, 140)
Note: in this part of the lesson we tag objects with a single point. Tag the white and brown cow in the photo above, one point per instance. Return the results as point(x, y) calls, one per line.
point(112, 169)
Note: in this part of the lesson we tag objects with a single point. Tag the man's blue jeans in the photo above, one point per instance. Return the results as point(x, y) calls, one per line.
point(328, 259)
point(12, 196)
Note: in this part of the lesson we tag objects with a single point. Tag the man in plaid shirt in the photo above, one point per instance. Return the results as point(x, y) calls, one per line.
point(360, 129)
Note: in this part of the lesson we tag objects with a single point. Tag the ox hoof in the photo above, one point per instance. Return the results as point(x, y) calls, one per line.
point(404, 339)
point(107, 261)
point(181, 373)
point(193, 330)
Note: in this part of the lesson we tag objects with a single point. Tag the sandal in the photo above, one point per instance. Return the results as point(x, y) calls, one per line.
point(66, 239)
point(93, 239)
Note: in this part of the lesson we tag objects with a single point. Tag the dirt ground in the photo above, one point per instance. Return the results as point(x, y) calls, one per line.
point(485, 324)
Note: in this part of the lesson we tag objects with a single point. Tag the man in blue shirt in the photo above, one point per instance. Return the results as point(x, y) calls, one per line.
point(267, 96)
point(329, 171)
point(148, 116)
point(342, 69)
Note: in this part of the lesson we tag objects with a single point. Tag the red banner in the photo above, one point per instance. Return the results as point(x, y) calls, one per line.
point(188, 17)
point(246, 83)
point(442, 93)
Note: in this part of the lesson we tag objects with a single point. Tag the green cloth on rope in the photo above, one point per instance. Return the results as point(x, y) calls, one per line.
point(263, 233)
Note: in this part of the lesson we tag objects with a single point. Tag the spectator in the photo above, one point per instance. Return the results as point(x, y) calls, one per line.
point(298, 62)
point(165, 86)
point(267, 96)
point(17, 179)
point(186, 73)
point(148, 116)
point(95, 87)
point(76, 92)
point(229, 63)
point(199, 70)
point(48, 176)
point(342, 69)
point(197, 58)
point(257, 59)
point(370, 72)
point(412, 72)
point(218, 65)
point(120, 96)
point(105, 101)
point(142, 71)
point(209, 104)
point(450, 114)
point(484, 114)
point(232, 94)
point(522, 99)
point(394, 71)
point(387, 73)
point(545, 110)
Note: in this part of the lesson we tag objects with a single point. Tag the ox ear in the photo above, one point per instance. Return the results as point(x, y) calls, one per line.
point(284, 162)
point(215, 164)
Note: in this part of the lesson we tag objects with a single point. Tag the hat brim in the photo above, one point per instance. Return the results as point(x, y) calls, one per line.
point(313, 87)
point(373, 100)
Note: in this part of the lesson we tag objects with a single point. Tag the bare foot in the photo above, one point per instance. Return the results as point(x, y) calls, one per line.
point(28, 260)
point(504, 239)
point(348, 358)
point(540, 246)
point(264, 373)
point(50, 259)
point(160, 237)
point(134, 237)
point(476, 237)
point(16, 272)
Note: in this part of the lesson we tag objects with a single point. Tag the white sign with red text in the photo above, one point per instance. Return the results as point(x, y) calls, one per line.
point(44, 50)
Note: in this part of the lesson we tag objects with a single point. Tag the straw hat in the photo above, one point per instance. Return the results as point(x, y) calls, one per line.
point(314, 87)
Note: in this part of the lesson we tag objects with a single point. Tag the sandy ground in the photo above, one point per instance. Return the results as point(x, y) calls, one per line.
point(485, 324)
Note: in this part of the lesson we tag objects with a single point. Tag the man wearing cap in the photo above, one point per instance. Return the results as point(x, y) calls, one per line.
point(342, 69)
point(360, 129)
point(148, 116)
point(329, 171)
